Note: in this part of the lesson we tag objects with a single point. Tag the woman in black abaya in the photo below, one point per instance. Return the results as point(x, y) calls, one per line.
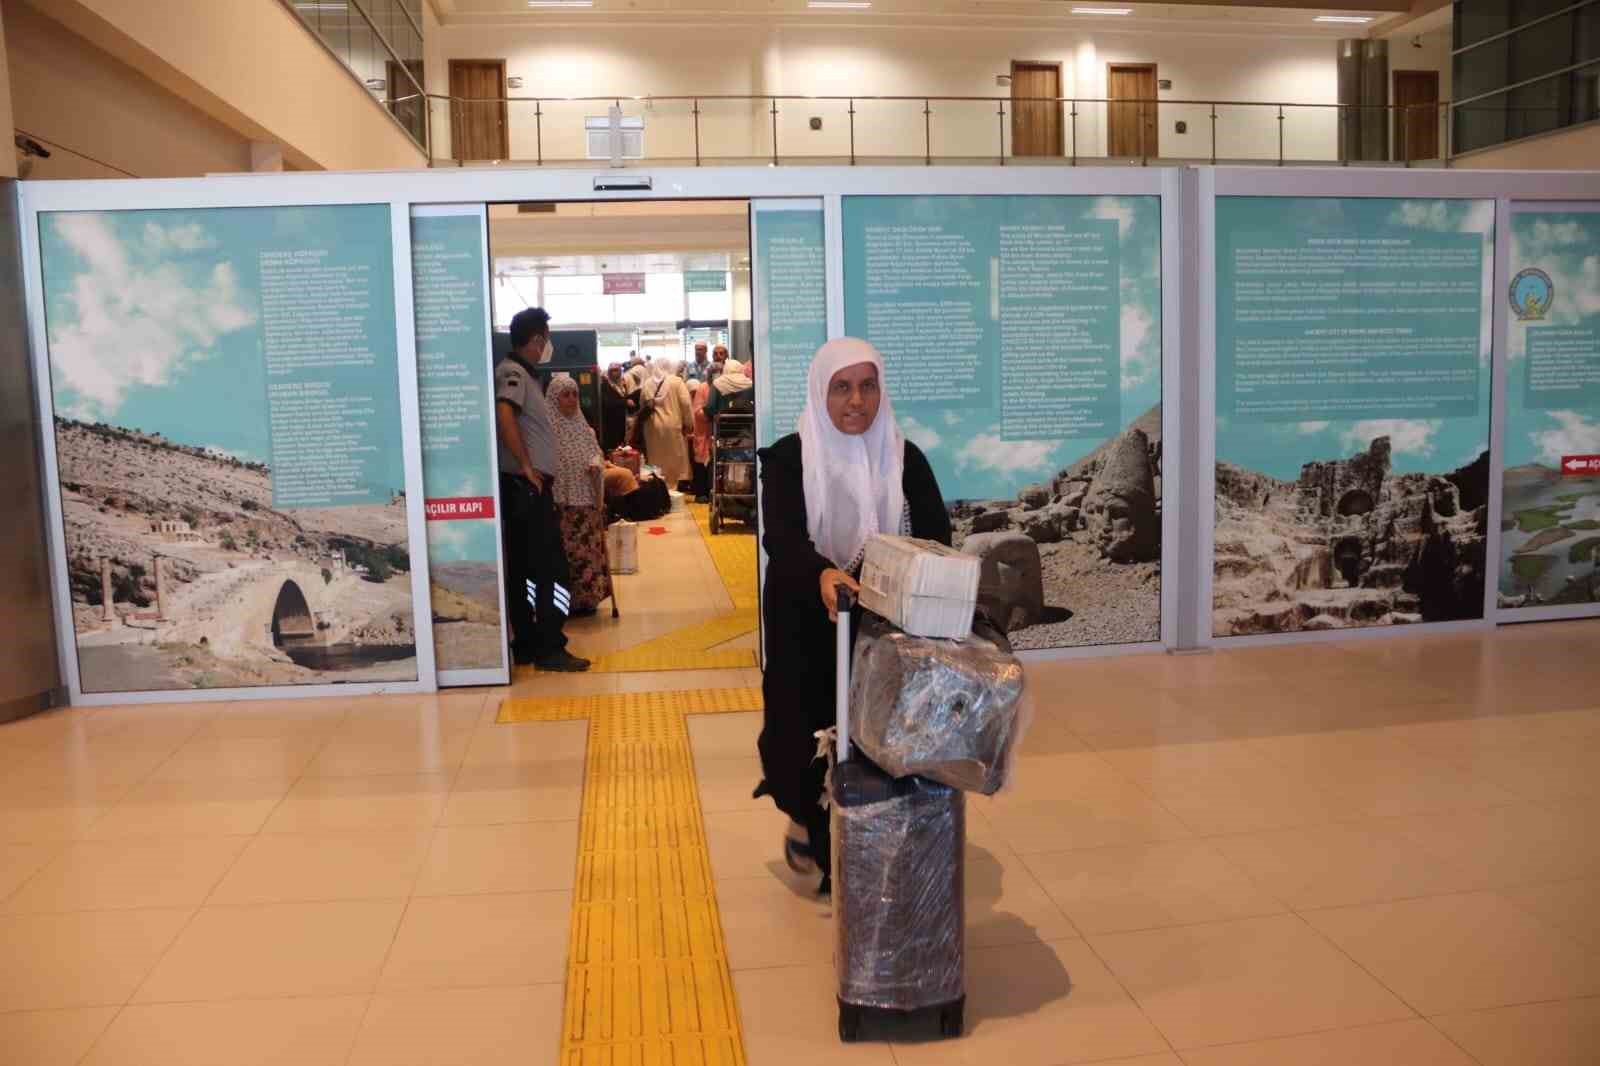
point(846, 474)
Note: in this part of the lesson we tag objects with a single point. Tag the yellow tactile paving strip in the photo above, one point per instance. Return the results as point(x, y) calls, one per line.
point(648, 982)
point(690, 648)
point(734, 555)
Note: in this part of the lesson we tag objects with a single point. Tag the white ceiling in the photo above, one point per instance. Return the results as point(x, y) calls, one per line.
point(1261, 16)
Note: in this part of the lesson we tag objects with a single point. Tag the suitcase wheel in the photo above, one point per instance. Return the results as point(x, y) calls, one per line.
point(849, 1024)
point(952, 1021)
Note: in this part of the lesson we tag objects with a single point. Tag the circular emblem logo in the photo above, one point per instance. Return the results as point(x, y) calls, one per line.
point(1532, 292)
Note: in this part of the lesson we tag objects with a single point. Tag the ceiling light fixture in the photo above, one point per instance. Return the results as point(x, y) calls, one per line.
point(560, 3)
point(841, 5)
point(1352, 20)
point(1102, 11)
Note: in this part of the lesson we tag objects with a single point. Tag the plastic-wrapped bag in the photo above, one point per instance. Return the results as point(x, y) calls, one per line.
point(899, 906)
point(951, 710)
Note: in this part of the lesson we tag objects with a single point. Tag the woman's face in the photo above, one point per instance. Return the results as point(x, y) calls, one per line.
point(568, 402)
point(853, 398)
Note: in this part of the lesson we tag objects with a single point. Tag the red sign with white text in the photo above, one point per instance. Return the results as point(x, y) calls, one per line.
point(1580, 465)
point(453, 508)
point(622, 284)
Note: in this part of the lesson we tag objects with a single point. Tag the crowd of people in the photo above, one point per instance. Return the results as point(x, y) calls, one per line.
point(559, 483)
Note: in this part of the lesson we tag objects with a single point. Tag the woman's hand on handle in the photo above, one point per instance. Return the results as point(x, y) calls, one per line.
point(830, 581)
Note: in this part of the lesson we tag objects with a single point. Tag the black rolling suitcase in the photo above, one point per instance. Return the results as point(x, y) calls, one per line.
point(899, 900)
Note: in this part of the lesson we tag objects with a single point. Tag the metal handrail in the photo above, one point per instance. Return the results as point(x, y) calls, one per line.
point(612, 98)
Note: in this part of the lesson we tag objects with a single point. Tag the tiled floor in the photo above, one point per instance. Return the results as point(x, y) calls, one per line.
point(1380, 852)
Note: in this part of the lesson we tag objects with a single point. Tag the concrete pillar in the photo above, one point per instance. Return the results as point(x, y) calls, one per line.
point(161, 591)
point(106, 612)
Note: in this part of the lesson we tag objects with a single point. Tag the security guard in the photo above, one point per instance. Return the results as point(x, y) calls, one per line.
point(536, 561)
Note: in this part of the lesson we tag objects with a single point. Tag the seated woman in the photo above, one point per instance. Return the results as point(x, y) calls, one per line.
point(579, 496)
point(847, 474)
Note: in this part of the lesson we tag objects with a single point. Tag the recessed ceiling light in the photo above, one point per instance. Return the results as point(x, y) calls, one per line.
point(560, 3)
point(1354, 20)
point(847, 5)
point(1102, 11)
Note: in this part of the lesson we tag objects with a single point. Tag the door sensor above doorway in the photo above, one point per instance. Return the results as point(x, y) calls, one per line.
point(620, 183)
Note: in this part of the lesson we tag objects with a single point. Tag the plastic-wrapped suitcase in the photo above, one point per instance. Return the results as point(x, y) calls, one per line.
point(899, 900)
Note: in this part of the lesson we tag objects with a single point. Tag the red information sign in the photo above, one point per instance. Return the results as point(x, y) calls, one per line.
point(454, 508)
point(622, 284)
point(1580, 465)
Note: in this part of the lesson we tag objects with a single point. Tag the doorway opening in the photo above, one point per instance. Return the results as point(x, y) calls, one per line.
point(646, 299)
point(1036, 126)
point(1132, 128)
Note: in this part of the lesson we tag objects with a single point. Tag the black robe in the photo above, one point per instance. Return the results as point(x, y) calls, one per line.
point(799, 676)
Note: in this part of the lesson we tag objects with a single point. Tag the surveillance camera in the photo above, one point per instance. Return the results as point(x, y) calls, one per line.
point(1416, 42)
point(28, 146)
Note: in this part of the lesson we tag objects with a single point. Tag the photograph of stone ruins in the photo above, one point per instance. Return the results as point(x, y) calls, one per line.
point(1349, 544)
point(1077, 560)
point(183, 575)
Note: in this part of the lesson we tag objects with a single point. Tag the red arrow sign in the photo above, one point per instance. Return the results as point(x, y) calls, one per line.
point(1580, 465)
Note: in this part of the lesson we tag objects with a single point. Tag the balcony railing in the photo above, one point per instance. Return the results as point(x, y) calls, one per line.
point(933, 130)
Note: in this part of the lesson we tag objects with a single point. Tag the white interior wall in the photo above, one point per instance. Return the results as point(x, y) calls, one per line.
point(839, 59)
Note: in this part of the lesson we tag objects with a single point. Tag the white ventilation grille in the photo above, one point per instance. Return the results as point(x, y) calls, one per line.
point(597, 137)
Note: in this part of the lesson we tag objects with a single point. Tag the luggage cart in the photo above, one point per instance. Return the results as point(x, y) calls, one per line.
point(733, 467)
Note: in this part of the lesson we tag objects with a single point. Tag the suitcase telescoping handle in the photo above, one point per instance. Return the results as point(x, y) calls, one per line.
point(841, 677)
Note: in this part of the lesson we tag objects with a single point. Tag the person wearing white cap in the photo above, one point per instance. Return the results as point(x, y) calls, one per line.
point(846, 474)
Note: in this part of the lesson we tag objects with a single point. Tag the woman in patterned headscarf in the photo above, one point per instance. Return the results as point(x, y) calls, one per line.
point(579, 496)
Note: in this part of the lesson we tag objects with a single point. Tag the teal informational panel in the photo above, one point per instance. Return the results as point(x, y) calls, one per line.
point(791, 309)
point(1021, 337)
point(1352, 411)
point(455, 391)
point(1550, 535)
point(228, 440)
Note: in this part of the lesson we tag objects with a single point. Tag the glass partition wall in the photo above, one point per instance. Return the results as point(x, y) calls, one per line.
point(380, 41)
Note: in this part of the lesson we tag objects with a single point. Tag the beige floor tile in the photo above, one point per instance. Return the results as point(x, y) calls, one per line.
point(1040, 1005)
point(1409, 1043)
point(1520, 844)
point(191, 809)
point(91, 764)
point(790, 1014)
point(724, 736)
point(1337, 865)
point(1146, 886)
point(745, 843)
point(34, 818)
point(480, 941)
point(123, 874)
point(264, 1032)
point(286, 718)
point(524, 743)
point(1005, 902)
point(86, 959)
point(19, 862)
point(280, 949)
point(1552, 769)
point(412, 718)
point(284, 868)
point(1566, 905)
point(1462, 952)
point(727, 784)
point(516, 792)
point(1248, 802)
point(1120, 815)
point(526, 857)
point(1564, 1033)
point(1250, 979)
point(462, 1027)
point(236, 758)
point(336, 804)
point(354, 755)
point(766, 922)
point(51, 1037)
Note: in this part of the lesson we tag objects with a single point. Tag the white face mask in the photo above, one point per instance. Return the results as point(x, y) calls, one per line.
point(548, 353)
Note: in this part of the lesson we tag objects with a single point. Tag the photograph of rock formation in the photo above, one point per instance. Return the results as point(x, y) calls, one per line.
point(1350, 543)
point(184, 576)
point(1076, 560)
point(464, 573)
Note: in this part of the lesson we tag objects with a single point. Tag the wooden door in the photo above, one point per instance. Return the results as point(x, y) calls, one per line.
point(1416, 115)
point(478, 130)
point(1036, 122)
point(402, 96)
point(1132, 131)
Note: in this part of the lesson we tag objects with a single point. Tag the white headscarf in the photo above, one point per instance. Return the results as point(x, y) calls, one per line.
point(577, 451)
point(853, 484)
point(733, 378)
